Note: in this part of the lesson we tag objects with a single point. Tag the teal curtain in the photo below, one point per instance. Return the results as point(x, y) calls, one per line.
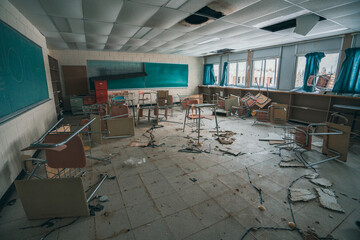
point(224, 75)
point(311, 68)
point(209, 75)
point(349, 77)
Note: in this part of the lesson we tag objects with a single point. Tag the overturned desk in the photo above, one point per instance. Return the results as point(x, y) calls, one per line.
point(198, 108)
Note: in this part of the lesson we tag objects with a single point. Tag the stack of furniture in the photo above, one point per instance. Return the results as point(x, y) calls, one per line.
point(101, 91)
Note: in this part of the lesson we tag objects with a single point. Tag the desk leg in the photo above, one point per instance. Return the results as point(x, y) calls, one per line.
point(185, 119)
point(216, 122)
point(199, 127)
point(354, 121)
point(133, 108)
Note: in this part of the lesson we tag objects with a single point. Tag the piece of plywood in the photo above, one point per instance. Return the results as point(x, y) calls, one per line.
point(76, 81)
point(262, 100)
point(278, 113)
point(95, 126)
point(339, 143)
point(121, 127)
point(48, 198)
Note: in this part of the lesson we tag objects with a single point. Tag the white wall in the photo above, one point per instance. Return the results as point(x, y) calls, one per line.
point(20, 131)
point(80, 57)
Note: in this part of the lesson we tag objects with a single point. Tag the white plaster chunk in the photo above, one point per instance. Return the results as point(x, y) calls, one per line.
point(312, 176)
point(321, 182)
point(300, 194)
point(328, 199)
point(291, 164)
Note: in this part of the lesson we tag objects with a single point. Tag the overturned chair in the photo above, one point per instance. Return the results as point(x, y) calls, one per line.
point(60, 193)
point(336, 138)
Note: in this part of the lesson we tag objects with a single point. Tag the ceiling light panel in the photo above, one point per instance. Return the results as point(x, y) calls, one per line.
point(76, 25)
point(104, 10)
point(29, 6)
point(98, 27)
point(175, 3)
point(165, 18)
point(123, 30)
point(63, 8)
point(61, 24)
point(133, 13)
point(256, 10)
point(168, 35)
point(93, 38)
point(73, 37)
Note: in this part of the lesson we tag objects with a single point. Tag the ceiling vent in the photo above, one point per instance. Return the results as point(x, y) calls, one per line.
point(222, 51)
point(302, 24)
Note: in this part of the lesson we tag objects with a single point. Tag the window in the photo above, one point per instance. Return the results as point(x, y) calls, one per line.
point(265, 73)
point(216, 72)
point(237, 73)
point(327, 67)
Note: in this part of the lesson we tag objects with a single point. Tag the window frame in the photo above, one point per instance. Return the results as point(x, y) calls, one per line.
point(263, 68)
point(237, 73)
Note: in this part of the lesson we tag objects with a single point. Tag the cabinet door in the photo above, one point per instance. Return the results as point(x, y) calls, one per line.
point(75, 79)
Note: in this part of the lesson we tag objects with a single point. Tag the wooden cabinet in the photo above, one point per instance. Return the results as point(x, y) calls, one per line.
point(56, 85)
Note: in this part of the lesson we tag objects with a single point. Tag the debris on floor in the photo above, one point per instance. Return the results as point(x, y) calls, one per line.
point(190, 150)
point(226, 137)
point(273, 142)
point(328, 199)
point(317, 144)
point(291, 164)
point(193, 179)
point(301, 195)
point(133, 162)
point(230, 151)
point(322, 182)
point(312, 176)
point(272, 137)
point(224, 140)
point(139, 144)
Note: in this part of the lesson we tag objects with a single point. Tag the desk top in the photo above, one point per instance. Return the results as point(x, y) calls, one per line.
point(204, 105)
point(348, 107)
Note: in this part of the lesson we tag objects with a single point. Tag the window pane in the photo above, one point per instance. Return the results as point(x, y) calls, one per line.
point(300, 70)
point(232, 74)
point(327, 67)
point(270, 73)
point(257, 73)
point(216, 72)
point(241, 73)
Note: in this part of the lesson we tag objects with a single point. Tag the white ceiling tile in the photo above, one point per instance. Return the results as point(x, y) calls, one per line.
point(98, 27)
point(323, 27)
point(93, 38)
point(104, 10)
point(28, 6)
point(184, 26)
point(56, 43)
point(81, 46)
point(114, 47)
point(95, 46)
point(137, 14)
point(114, 40)
point(175, 3)
point(72, 45)
point(154, 44)
point(51, 34)
point(165, 18)
point(153, 33)
point(230, 32)
point(142, 32)
point(123, 30)
point(192, 6)
point(341, 11)
point(214, 27)
point(136, 42)
point(188, 37)
point(153, 2)
point(318, 5)
point(76, 25)
point(144, 49)
point(168, 35)
point(61, 24)
point(63, 8)
point(171, 44)
point(256, 10)
point(42, 22)
point(73, 37)
point(350, 21)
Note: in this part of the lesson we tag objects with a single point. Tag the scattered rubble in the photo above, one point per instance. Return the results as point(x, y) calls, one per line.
point(291, 164)
point(328, 199)
point(300, 194)
point(312, 176)
point(322, 182)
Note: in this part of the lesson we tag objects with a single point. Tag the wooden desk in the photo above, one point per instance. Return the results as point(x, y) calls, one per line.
point(354, 109)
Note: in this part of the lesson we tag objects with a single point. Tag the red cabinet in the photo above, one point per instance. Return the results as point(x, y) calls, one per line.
point(101, 91)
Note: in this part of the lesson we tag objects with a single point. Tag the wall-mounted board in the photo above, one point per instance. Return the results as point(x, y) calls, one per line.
point(22, 73)
point(157, 75)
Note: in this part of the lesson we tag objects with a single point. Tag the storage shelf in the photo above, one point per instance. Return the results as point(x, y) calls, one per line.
point(308, 108)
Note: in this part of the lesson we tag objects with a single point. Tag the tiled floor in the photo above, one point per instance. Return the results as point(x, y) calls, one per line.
point(157, 199)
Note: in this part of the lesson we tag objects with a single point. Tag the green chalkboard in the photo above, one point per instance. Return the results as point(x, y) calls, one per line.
point(22, 72)
point(159, 75)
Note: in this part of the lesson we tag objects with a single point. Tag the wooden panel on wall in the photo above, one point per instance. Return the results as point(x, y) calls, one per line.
point(75, 79)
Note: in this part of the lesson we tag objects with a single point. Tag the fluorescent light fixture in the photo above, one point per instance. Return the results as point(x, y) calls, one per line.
point(208, 41)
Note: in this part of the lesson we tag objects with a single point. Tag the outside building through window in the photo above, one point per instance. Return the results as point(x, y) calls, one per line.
point(216, 72)
point(265, 73)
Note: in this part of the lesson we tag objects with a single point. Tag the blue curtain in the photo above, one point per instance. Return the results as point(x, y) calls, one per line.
point(224, 75)
point(349, 77)
point(209, 75)
point(311, 68)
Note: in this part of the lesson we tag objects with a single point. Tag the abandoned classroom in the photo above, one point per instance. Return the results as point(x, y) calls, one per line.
point(179, 119)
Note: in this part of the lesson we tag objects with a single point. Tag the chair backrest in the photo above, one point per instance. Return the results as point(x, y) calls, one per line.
point(117, 110)
point(303, 138)
point(71, 157)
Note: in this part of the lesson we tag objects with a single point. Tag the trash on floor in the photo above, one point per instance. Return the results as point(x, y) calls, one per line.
point(300, 194)
point(139, 144)
point(291, 164)
point(133, 162)
point(224, 140)
point(273, 142)
point(312, 176)
point(328, 199)
point(272, 137)
point(322, 182)
point(230, 151)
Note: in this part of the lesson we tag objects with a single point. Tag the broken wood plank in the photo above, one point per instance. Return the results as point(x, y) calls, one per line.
point(273, 142)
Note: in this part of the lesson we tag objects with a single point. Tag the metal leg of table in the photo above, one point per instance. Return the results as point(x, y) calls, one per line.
point(354, 121)
point(199, 127)
point(216, 122)
point(185, 119)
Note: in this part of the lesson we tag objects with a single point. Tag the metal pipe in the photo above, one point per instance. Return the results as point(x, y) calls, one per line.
point(97, 187)
point(47, 132)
